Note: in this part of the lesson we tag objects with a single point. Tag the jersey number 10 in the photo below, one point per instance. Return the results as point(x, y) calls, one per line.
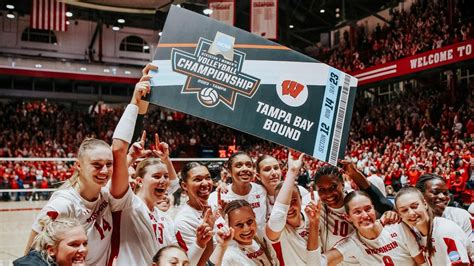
point(341, 228)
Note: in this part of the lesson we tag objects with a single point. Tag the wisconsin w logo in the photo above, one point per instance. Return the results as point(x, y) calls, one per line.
point(292, 92)
point(292, 88)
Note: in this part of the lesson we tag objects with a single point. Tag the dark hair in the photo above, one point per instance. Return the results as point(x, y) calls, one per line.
point(260, 159)
point(421, 183)
point(328, 170)
point(187, 167)
point(348, 198)
point(158, 254)
point(237, 204)
point(412, 190)
point(215, 170)
point(232, 158)
point(280, 184)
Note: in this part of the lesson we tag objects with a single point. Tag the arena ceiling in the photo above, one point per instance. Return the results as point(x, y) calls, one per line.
point(306, 16)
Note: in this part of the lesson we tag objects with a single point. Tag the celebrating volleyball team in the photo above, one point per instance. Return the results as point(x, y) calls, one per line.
point(262, 217)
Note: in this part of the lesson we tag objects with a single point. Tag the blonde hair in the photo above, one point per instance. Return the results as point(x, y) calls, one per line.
point(141, 170)
point(52, 233)
point(86, 145)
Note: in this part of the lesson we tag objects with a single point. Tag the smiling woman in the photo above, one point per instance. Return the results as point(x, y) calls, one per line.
point(194, 222)
point(241, 169)
point(443, 241)
point(373, 243)
point(62, 242)
point(435, 192)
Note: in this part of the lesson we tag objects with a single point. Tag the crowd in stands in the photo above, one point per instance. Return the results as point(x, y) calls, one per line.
point(420, 130)
point(427, 25)
point(414, 132)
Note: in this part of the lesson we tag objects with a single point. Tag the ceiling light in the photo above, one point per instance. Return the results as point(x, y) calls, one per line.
point(322, 11)
point(106, 70)
point(10, 15)
point(83, 69)
point(68, 14)
point(67, 22)
point(207, 11)
point(121, 20)
point(10, 6)
point(38, 65)
point(291, 26)
point(115, 28)
point(127, 72)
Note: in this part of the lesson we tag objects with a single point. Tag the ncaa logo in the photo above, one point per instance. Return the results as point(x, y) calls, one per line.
point(454, 256)
point(292, 92)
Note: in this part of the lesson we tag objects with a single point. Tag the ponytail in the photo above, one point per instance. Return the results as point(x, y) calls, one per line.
point(52, 233)
point(429, 244)
point(263, 244)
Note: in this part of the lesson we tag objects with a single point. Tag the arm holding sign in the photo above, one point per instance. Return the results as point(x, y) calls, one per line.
point(277, 221)
point(381, 203)
point(123, 136)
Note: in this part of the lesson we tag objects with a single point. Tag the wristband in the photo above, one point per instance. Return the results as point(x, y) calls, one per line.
point(126, 125)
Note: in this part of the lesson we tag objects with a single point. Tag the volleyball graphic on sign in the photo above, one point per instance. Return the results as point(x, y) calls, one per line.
point(208, 97)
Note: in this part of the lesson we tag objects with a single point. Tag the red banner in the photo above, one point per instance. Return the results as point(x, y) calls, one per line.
point(223, 10)
point(264, 18)
point(48, 15)
point(432, 59)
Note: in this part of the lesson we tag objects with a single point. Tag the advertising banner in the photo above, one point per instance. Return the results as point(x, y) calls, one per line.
point(428, 60)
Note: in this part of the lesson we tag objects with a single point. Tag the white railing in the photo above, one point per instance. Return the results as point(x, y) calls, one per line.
point(39, 159)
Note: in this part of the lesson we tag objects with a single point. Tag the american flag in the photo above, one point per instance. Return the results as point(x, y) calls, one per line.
point(48, 15)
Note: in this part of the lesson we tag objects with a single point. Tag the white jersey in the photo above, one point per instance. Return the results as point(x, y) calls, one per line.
point(332, 226)
point(257, 198)
point(292, 245)
point(95, 217)
point(186, 223)
point(461, 217)
point(449, 241)
point(251, 255)
point(142, 232)
point(396, 245)
point(271, 199)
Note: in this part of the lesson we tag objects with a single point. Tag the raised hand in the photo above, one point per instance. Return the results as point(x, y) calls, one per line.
point(143, 87)
point(313, 211)
point(203, 235)
point(137, 149)
point(224, 236)
point(349, 168)
point(294, 165)
point(161, 149)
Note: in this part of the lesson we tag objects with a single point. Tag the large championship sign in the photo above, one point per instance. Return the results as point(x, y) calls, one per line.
point(229, 76)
